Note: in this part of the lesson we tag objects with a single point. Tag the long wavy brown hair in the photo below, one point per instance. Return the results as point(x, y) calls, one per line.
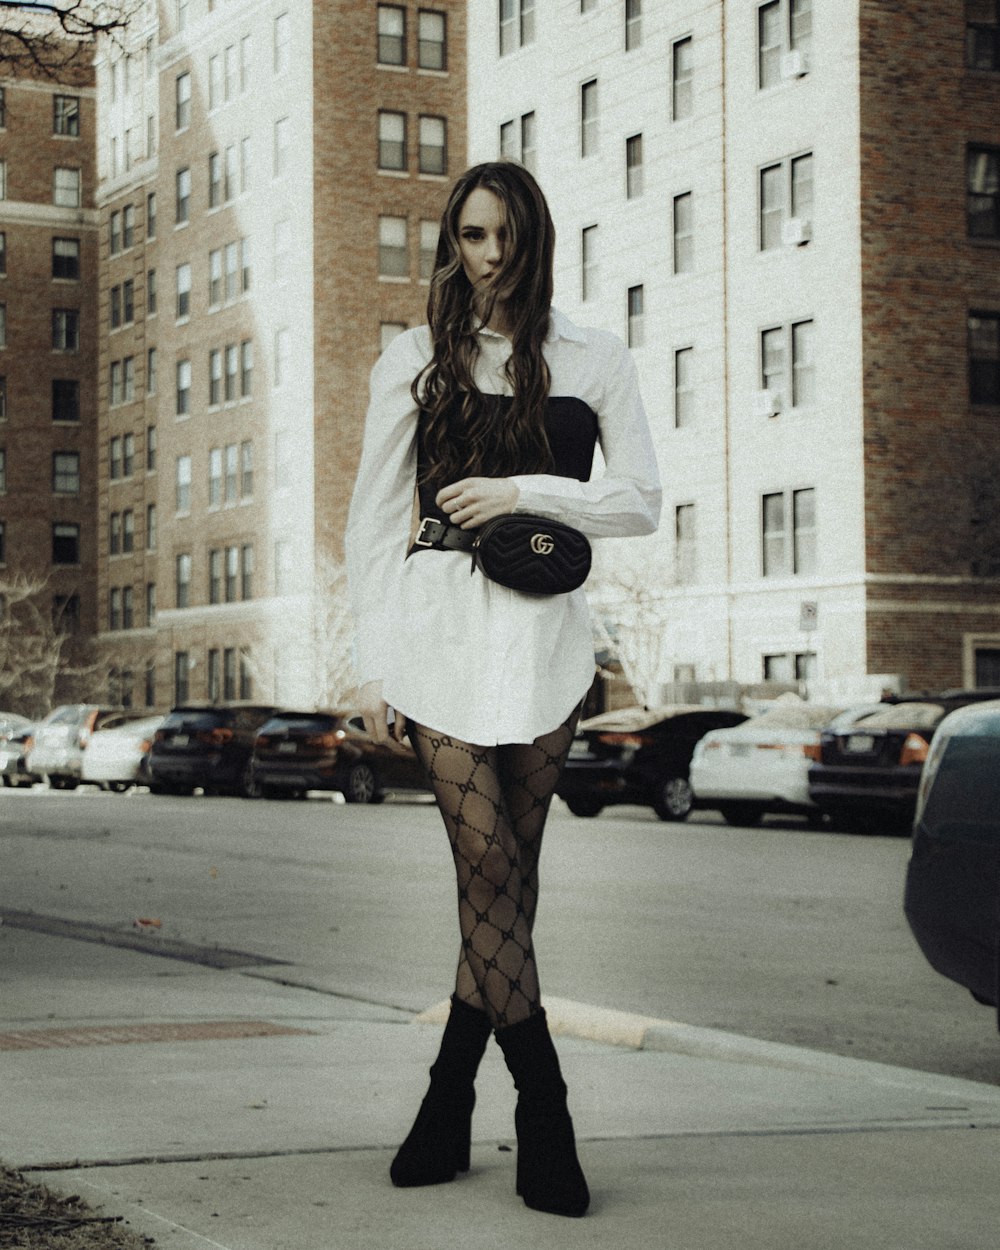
point(465, 432)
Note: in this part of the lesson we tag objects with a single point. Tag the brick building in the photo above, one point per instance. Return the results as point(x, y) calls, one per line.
point(271, 176)
point(790, 210)
point(48, 342)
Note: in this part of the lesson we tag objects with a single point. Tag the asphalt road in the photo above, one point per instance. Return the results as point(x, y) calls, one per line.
point(778, 932)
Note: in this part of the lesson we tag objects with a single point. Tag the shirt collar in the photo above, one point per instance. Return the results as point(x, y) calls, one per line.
point(560, 327)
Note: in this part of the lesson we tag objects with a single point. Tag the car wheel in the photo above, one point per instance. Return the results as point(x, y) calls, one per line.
point(362, 785)
point(742, 813)
point(585, 806)
point(249, 785)
point(119, 787)
point(674, 799)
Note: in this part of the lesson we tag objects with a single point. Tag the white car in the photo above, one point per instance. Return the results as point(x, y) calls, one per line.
point(763, 765)
point(116, 758)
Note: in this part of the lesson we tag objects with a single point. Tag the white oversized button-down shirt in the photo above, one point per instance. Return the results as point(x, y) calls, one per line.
point(457, 652)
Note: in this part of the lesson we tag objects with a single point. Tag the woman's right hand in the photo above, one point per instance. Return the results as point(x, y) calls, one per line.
point(375, 712)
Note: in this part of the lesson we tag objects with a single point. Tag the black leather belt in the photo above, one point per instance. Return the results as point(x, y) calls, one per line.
point(445, 537)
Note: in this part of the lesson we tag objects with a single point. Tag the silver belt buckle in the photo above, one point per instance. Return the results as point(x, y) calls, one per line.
point(420, 540)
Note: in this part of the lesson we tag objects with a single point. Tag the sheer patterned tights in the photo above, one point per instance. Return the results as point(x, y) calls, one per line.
point(494, 801)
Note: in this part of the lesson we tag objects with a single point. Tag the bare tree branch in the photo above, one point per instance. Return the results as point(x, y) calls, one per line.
point(50, 38)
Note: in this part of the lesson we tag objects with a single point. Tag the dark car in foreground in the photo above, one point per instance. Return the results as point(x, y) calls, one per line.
point(207, 746)
point(299, 751)
point(952, 897)
point(638, 755)
point(867, 775)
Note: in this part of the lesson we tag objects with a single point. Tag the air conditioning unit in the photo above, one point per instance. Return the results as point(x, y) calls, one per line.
point(796, 231)
point(766, 403)
point(794, 64)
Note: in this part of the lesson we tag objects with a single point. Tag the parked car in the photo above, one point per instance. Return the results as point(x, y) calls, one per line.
point(206, 745)
point(14, 748)
point(299, 751)
point(867, 775)
point(952, 896)
point(12, 723)
point(638, 755)
point(116, 758)
point(62, 738)
point(763, 765)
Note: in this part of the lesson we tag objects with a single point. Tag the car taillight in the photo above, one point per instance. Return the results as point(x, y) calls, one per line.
point(624, 740)
point(914, 750)
point(325, 742)
point(145, 745)
point(29, 742)
point(160, 736)
point(812, 751)
point(215, 737)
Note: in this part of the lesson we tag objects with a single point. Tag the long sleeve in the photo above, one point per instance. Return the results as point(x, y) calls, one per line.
point(378, 521)
point(625, 500)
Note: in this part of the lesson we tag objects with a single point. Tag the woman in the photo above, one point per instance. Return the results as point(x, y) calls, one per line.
point(494, 407)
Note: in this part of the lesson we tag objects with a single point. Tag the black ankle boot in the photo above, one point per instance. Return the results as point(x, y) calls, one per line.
point(437, 1147)
point(549, 1176)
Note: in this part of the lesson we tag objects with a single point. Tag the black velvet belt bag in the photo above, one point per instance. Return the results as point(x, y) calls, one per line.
point(533, 554)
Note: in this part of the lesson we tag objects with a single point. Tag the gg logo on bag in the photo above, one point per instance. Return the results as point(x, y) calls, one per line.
point(542, 544)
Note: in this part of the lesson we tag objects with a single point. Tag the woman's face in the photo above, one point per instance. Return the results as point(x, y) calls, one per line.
point(482, 236)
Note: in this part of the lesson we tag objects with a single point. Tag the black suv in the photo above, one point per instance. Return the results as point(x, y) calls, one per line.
point(638, 755)
point(208, 746)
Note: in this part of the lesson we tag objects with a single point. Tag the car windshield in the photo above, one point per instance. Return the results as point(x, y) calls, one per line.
point(194, 719)
point(72, 714)
point(792, 716)
point(316, 722)
point(905, 716)
point(964, 798)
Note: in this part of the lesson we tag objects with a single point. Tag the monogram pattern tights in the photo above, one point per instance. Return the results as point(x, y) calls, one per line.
point(494, 801)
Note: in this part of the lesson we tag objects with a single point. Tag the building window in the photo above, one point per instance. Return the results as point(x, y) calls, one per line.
point(65, 543)
point(229, 673)
point(232, 472)
point(150, 620)
point(182, 208)
point(128, 622)
point(391, 45)
point(428, 248)
point(517, 24)
point(433, 146)
point(65, 330)
point(232, 573)
point(115, 307)
point(246, 571)
point(182, 484)
point(66, 472)
point(214, 377)
point(151, 527)
point(182, 102)
point(282, 146)
point(115, 534)
point(181, 675)
point(633, 167)
point(66, 188)
point(432, 40)
point(214, 180)
point(787, 365)
point(128, 531)
point(115, 232)
point(684, 393)
point(788, 667)
point(215, 575)
point(115, 383)
point(3, 254)
point(685, 545)
point(392, 141)
point(183, 404)
point(182, 567)
point(215, 477)
point(784, 40)
point(128, 226)
point(984, 358)
point(246, 470)
point(246, 369)
point(115, 458)
point(786, 202)
point(232, 369)
point(633, 24)
point(230, 173)
point(518, 141)
point(66, 115)
point(588, 262)
point(150, 448)
point(789, 533)
point(215, 277)
point(982, 34)
point(183, 280)
point(128, 301)
point(393, 253)
point(65, 399)
point(151, 371)
point(65, 258)
point(684, 233)
point(151, 215)
point(983, 194)
point(681, 80)
point(282, 42)
point(636, 317)
point(115, 608)
point(151, 293)
point(588, 118)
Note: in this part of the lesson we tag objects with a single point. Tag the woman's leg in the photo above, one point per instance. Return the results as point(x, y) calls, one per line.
point(495, 925)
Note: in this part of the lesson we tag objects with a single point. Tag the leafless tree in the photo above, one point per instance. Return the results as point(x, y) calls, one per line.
point(39, 656)
point(55, 38)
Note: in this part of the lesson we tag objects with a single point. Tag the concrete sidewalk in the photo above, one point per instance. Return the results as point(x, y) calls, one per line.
point(220, 1108)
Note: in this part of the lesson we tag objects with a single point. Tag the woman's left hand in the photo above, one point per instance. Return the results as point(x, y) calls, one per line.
point(475, 500)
